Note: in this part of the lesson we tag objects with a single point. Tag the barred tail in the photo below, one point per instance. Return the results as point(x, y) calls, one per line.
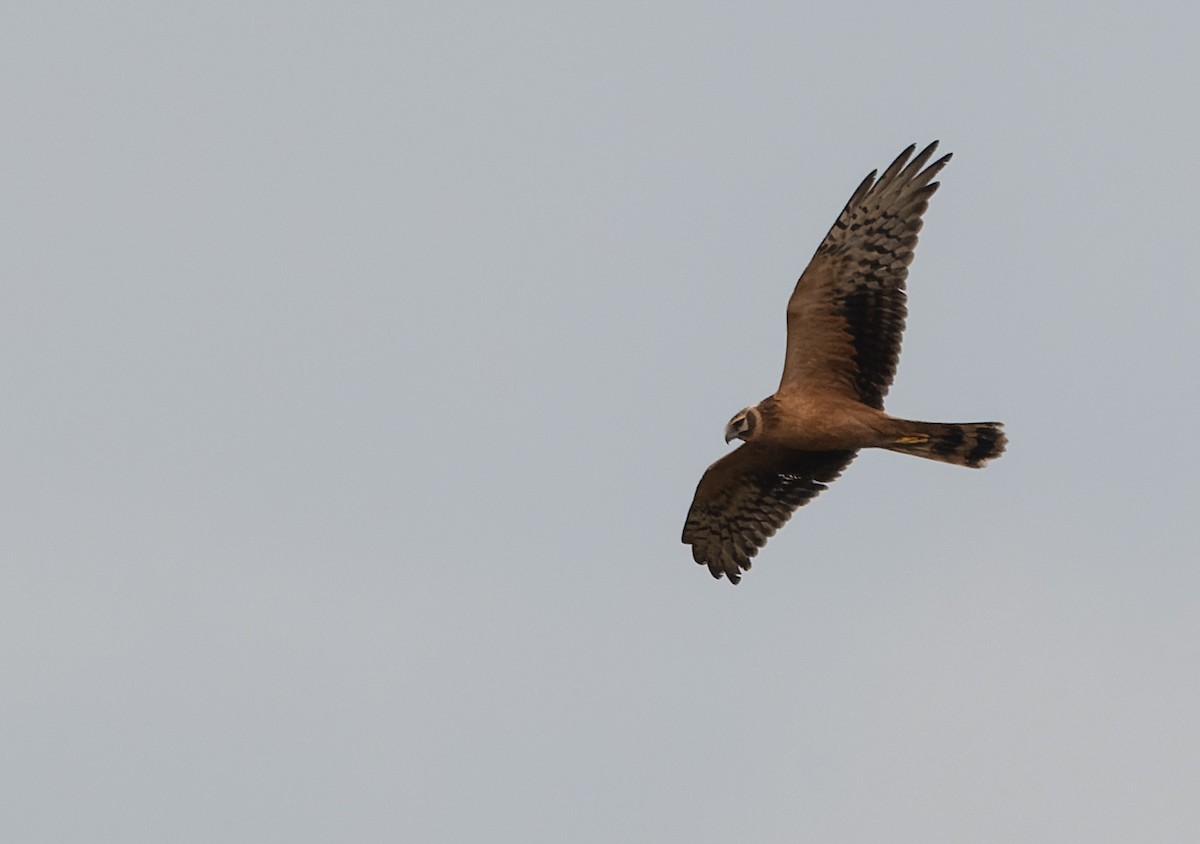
point(963, 443)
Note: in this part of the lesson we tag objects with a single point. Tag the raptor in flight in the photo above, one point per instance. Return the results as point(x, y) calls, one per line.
point(844, 322)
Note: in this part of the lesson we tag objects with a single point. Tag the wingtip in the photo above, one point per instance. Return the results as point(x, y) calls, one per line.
point(930, 149)
point(723, 569)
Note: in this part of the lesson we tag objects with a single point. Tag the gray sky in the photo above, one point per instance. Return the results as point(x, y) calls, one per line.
point(360, 362)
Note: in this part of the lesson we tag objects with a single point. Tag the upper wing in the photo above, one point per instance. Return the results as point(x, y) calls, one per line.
point(845, 318)
point(747, 495)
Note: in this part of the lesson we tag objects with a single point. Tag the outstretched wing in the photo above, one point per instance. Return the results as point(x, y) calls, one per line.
point(747, 495)
point(846, 316)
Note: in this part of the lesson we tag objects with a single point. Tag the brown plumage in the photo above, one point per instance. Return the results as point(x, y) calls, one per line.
point(844, 325)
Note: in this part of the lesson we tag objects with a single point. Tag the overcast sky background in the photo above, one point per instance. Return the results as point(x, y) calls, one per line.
point(359, 362)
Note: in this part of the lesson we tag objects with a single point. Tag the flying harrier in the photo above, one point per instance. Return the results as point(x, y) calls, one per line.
point(844, 322)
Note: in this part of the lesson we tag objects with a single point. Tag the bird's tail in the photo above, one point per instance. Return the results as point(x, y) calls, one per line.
point(961, 443)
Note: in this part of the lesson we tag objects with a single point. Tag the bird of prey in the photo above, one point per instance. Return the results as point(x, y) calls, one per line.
point(844, 322)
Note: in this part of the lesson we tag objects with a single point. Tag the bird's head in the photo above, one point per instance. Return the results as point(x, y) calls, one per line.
point(745, 425)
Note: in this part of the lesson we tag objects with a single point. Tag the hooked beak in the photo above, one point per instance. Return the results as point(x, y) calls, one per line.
point(730, 436)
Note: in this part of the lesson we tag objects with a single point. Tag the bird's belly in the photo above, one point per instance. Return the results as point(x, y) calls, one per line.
point(831, 429)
